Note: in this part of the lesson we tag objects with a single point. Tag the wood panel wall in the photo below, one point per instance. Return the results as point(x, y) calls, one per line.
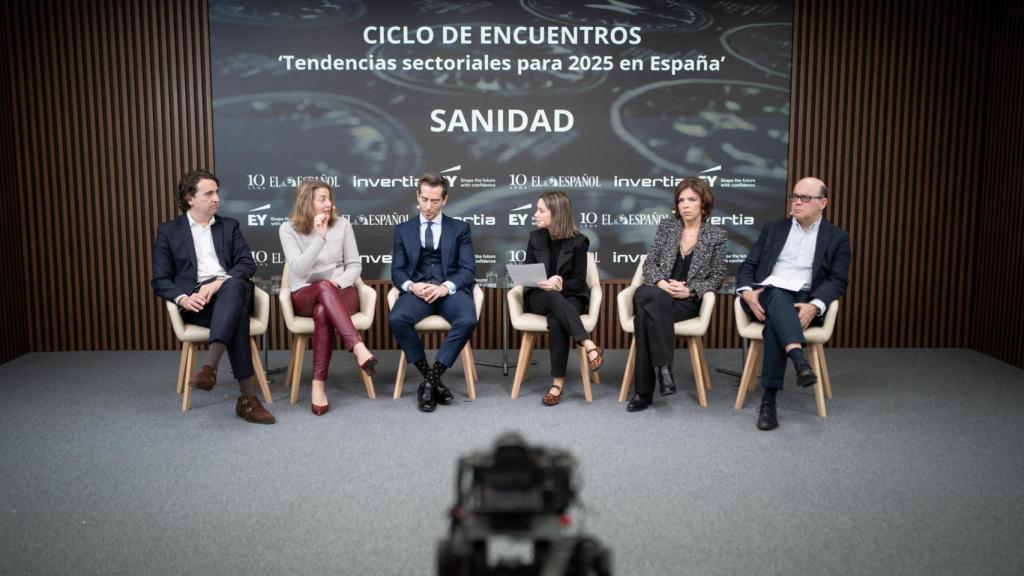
point(13, 342)
point(998, 317)
point(109, 103)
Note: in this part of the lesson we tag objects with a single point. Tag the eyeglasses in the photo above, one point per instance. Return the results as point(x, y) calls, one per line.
point(803, 198)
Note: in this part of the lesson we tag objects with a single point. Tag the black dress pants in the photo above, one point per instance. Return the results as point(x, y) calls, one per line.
point(656, 312)
point(563, 316)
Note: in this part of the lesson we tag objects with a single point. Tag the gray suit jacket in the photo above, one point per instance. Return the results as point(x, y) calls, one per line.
point(707, 269)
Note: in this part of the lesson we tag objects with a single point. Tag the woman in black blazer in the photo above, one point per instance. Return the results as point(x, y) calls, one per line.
point(686, 259)
point(562, 249)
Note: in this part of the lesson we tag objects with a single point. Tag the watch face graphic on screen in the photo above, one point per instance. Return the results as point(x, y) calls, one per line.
point(656, 16)
point(767, 47)
point(291, 14)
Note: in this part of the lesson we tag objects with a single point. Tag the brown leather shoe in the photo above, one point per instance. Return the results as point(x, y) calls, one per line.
point(249, 408)
point(204, 379)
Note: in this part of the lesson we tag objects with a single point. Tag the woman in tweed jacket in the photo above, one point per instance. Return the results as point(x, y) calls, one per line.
point(685, 260)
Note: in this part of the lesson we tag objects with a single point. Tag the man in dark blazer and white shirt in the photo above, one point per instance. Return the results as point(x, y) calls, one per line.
point(434, 267)
point(795, 270)
point(202, 264)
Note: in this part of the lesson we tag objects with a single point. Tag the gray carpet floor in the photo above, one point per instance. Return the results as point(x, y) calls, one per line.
point(918, 469)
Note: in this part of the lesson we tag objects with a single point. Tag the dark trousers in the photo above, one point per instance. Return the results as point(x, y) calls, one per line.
point(458, 309)
point(781, 327)
point(227, 317)
point(563, 316)
point(656, 312)
point(331, 309)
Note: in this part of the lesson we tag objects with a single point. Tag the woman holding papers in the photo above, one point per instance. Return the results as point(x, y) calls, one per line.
point(685, 260)
point(562, 249)
point(323, 265)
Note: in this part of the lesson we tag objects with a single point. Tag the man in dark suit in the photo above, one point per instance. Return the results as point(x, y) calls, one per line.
point(791, 275)
point(202, 264)
point(434, 266)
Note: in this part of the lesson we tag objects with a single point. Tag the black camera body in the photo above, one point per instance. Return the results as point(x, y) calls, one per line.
point(517, 497)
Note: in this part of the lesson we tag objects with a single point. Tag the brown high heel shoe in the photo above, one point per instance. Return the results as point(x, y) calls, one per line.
point(597, 361)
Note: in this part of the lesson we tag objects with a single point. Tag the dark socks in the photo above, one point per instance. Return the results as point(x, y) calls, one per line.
point(797, 356)
point(769, 395)
point(247, 386)
point(424, 368)
point(437, 370)
point(213, 357)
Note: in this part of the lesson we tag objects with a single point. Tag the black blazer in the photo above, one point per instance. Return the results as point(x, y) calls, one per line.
point(829, 272)
point(458, 261)
point(571, 263)
point(175, 271)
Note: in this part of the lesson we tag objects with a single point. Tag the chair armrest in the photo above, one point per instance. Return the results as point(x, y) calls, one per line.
point(515, 302)
point(261, 305)
point(176, 322)
point(367, 298)
point(624, 302)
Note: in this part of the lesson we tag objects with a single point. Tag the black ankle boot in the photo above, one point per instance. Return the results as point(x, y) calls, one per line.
point(639, 402)
point(444, 395)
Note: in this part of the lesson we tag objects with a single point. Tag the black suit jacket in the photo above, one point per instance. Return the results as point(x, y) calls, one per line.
point(175, 270)
point(829, 272)
point(571, 264)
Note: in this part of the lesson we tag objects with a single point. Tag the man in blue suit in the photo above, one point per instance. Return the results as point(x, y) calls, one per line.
point(791, 275)
point(202, 264)
point(434, 266)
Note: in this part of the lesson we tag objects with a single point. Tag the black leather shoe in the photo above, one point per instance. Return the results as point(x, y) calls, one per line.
point(427, 398)
point(638, 402)
point(443, 394)
point(665, 380)
point(805, 376)
point(767, 419)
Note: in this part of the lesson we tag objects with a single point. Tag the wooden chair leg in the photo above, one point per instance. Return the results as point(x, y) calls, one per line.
point(704, 363)
point(747, 376)
point(819, 386)
point(523, 365)
point(182, 362)
point(300, 357)
point(261, 374)
point(585, 374)
point(400, 378)
point(820, 349)
point(367, 383)
point(758, 357)
point(467, 368)
point(476, 373)
point(291, 360)
point(627, 377)
point(698, 372)
point(186, 397)
point(595, 375)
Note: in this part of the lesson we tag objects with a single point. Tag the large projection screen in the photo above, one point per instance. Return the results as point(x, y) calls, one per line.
point(609, 101)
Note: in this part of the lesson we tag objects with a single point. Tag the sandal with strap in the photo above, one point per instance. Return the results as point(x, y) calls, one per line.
point(552, 400)
point(597, 361)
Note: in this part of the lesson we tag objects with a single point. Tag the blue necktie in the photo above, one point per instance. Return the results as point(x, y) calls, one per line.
point(428, 237)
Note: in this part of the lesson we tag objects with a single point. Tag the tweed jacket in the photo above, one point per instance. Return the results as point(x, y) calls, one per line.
point(707, 269)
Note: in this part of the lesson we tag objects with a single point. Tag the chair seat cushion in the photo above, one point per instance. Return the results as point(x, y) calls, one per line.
point(195, 333)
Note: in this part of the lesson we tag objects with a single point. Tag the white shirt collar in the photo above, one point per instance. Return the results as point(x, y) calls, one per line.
point(812, 228)
point(192, 222)
point(436, 220)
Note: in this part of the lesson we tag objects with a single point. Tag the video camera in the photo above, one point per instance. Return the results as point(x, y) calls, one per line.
point(514, 500)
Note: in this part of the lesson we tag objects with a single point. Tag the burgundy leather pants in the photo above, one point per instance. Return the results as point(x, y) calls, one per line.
point(331, 309)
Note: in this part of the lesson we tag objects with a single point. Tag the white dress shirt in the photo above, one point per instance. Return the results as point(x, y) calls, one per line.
point(207, 264)
point(792, 270)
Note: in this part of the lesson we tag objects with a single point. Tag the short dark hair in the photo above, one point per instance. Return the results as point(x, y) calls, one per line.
point(824, 190)
point(187, 186)
point(703, 191)
point(433, 179)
